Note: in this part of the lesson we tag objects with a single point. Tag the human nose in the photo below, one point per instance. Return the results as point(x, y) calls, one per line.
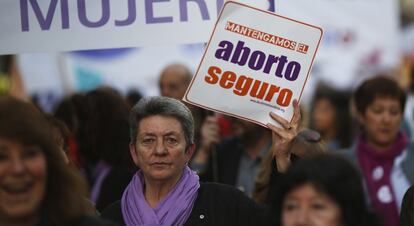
point(17, 166)
point(160, 147)
point(302, 217)
point(164, 91)
point(387, 117)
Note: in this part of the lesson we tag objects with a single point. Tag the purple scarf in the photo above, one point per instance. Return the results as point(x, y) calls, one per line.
point(99, 173)
point(376, 167)
point(174, 209)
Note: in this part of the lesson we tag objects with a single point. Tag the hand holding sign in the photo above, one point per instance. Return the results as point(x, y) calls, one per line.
point(255, 62)
point(282, 137)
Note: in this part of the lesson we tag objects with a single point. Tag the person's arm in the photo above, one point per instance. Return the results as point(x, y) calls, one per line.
point(210, 136)
point(282, 137)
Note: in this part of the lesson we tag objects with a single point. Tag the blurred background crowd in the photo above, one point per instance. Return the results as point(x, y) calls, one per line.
point(359, 98)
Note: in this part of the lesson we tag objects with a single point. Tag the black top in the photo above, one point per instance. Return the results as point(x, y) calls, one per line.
point(216, 204)
point(84, 221)
point(229, 152)
point(113, 187)
point(276, 178)
point(407, 208)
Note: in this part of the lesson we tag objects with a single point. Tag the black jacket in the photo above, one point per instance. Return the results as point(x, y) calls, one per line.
point(407, 209)
point(113, 187)
point(84, 221)
point(216, 204)
point(228, 155)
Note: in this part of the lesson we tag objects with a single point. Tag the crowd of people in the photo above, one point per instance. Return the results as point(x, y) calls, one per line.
point(103, 159)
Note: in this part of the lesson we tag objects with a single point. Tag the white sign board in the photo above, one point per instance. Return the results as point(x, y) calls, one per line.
point(255, 62)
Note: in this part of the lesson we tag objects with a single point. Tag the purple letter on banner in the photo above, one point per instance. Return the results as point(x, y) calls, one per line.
point(219, 6)
point(184, 11)
point(65, 13)
point(149, 13)
point(43, 22)
point(132, 15)
point(84, 20)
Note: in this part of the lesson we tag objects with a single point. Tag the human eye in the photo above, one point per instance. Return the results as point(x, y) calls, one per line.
point(174, 86)
point(31, 152)
point(171, 140)
point(147, 140)
point(290, 206)
point(395, 111)
point(3, 156)
point(377, 110)
point(318, 206)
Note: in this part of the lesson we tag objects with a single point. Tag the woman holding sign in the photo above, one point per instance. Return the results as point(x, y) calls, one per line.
point(166, 191)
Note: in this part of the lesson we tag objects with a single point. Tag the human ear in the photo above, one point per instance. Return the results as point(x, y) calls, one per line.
point(133, 152)
point(190, 151)
point(360, 118)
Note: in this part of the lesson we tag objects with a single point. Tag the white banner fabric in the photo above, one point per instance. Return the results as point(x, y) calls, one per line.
point(361, 37)
point(63, 25)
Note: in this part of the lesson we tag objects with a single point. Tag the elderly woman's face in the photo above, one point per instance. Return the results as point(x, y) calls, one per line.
point(381, 121)
point(306, 206)
point(23, 178)
point(160, 149)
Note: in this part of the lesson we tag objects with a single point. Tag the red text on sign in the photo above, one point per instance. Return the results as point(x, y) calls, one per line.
point(243, 85)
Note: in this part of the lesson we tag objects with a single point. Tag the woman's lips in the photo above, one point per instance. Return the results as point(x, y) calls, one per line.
point(159, 164)
point(17, 192)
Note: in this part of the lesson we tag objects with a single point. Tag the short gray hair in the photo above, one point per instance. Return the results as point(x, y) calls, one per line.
point(163, 106)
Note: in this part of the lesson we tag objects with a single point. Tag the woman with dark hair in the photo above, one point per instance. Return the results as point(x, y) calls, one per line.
point(105, 145)
point(382, 150)
point(323, 190)
point(331, 117)
point(71, 111)
point(36, 186)
point(60, 134)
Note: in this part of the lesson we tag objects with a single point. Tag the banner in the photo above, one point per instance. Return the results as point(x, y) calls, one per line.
point(65, 25)
point(361, 37)
point(61, 25)
point(255, 62)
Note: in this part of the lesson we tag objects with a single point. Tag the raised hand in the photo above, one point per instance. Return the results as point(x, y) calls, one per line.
point(282, 137)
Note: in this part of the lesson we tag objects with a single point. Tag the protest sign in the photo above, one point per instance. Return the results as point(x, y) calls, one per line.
point(255, 62)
